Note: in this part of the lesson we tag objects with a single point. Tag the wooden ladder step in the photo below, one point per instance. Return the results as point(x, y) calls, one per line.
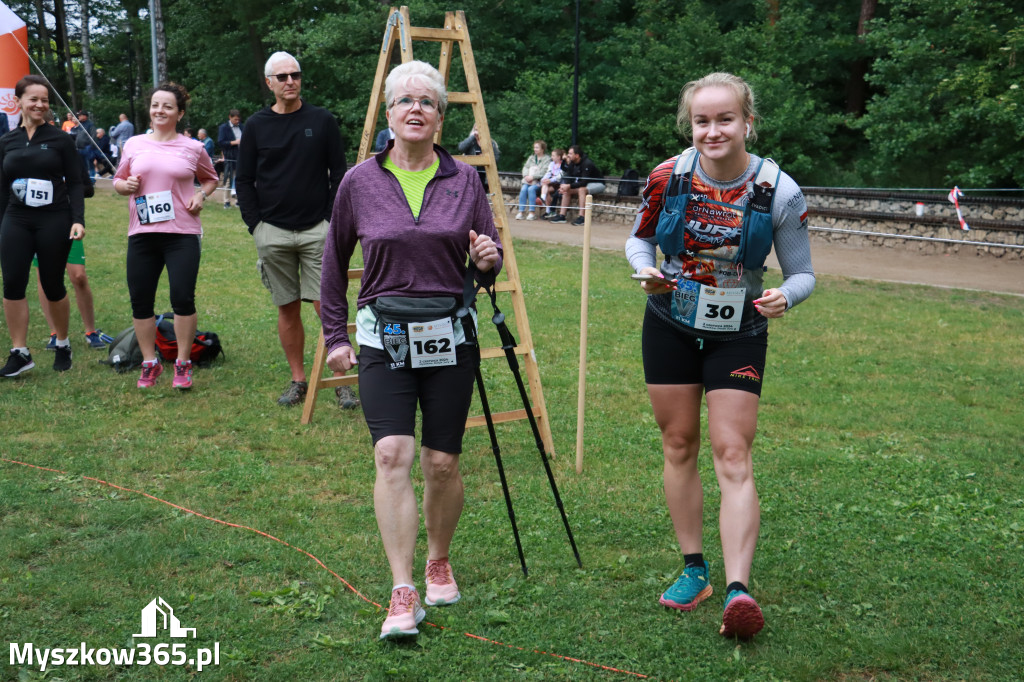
point(499, 417)
point(463, 98)
point(436, 35)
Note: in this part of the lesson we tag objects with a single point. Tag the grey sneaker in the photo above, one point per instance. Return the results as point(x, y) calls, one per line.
point(294, 395)
point(347, 399)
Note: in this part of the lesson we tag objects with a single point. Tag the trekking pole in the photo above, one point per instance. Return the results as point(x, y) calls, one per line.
point(469, 327)
point(508, 344)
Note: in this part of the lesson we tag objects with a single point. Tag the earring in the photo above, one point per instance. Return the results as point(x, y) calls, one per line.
point(748, 130)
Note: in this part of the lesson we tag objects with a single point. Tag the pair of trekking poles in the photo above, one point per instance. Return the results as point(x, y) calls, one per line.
point(508, 344)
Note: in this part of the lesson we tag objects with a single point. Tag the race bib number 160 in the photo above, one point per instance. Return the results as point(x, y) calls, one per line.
point(160, 206)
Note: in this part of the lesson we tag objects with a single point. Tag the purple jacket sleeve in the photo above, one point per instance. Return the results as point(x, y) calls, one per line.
point(484, 224)
point(338, 248)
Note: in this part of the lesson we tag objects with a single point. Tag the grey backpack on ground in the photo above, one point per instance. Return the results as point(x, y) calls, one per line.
point(124, 354)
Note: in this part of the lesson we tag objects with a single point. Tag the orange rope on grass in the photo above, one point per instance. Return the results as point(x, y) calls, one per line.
point(321, 564)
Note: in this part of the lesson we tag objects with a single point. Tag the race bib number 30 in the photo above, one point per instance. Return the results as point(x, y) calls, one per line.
point(708, 308)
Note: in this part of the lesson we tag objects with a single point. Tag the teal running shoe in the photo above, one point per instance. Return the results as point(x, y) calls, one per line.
point(742, 617)
point(690, 589)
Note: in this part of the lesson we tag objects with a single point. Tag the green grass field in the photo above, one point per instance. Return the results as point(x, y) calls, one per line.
point(888, 459)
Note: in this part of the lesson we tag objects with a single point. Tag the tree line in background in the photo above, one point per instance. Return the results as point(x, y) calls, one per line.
point(898, 93)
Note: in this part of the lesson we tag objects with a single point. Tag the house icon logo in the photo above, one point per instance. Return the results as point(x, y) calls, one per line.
point(158, 614)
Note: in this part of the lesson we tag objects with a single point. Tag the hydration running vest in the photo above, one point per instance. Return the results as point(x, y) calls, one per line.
point(757, 229)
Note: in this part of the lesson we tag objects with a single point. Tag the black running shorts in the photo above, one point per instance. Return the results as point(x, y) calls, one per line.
point(674, 357)
point(389, 399)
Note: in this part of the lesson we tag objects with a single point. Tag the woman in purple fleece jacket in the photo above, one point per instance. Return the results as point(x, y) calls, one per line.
point(417, 213)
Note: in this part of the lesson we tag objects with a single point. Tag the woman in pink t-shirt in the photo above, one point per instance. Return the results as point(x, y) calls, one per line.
point(158, 171)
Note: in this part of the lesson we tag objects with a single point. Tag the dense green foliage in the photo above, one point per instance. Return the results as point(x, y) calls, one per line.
point(929, 94)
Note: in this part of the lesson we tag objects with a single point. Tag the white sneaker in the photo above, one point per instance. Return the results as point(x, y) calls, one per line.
point(519, 216)
point(531, 216)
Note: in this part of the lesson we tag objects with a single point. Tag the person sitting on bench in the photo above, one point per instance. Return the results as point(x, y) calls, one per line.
point(580, 178)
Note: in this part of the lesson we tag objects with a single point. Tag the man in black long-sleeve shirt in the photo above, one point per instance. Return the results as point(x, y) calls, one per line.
point(290, 164)
point(580, 178)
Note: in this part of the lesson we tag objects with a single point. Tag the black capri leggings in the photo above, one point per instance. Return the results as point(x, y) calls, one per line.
point(26, 233)
point(148, 253)
point(443, 393)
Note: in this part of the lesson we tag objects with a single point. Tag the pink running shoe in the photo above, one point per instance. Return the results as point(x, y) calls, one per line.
point(441, 587)
point(149, 374)
point(742, 618)
point(404, 614)
point(182, 374)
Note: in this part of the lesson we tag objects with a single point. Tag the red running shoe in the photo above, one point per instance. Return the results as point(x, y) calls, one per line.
point(742, 617)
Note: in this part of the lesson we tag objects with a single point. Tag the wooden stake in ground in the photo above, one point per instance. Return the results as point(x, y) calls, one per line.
point(584, 300)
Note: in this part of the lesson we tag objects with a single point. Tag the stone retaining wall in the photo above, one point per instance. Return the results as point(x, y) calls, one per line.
point(953, 233)
point(906, 225)
point(933, 206)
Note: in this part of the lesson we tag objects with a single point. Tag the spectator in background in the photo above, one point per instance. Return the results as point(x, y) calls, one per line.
point(70, 123)
point(229, 137)
point(289, 167)
point(383, 137)
point(533, 170)
point(80, 282)
point(83, 299)
point(471, 147)
point(582, 177)
point(84, 134)
point(207, 142)
point(4, 124)
point(120, 133)
point(550, 181)
point(101, 153)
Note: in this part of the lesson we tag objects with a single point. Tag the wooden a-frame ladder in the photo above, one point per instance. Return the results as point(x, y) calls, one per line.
point(399, 33)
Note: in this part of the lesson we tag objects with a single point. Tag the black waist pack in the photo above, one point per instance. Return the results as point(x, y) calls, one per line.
point(396, 313)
